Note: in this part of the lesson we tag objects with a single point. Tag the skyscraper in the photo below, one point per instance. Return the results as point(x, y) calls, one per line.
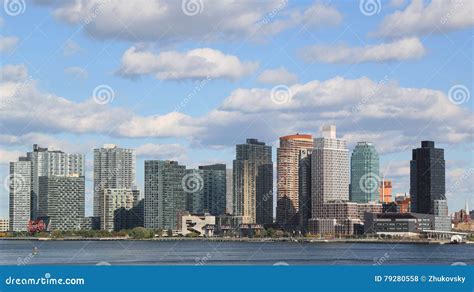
point(427, 177)
point(329, 170)
point(214, 188)
point(114, 168)
point(304, 185)
point(253, 181)
point(165, 197)
point(365, 178)
point(288, 159)
point(20, 194)
point(46, 162)
point(61, 201)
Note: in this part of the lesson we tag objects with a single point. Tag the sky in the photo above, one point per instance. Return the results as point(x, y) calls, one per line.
point(187, 80)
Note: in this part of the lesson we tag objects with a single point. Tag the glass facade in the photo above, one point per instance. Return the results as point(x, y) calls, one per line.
point(365, 179)
point(427, 177)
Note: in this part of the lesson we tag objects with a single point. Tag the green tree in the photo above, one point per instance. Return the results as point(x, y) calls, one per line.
point(141, 233)
point(270, 232)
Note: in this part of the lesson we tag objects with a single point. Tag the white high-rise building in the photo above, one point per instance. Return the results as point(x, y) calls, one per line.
point(114, 168)
point(20, 194)
point(46, 162)
point(329, 170)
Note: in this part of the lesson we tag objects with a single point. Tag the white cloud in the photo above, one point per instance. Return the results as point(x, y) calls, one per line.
point(7, 156)
point(277, 76)
point(71, 48)
point(13, 73)
point(51, 141)
point(393, 117)
point(173, 124)
point(26, 109)
point(175, 152)
point(194, 64)
point(7, 44)
point(165, 21)
point(319, 14)
point(408, 48)
point(77, 72)
point(419, 18)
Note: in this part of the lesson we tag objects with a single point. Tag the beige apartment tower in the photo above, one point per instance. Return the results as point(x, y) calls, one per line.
point(288, 163)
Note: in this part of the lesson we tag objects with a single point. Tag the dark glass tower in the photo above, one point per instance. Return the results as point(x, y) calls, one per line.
point(427, 177)
point(253, 182)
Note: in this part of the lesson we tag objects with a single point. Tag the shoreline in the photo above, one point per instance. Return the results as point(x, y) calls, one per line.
point(250, 240)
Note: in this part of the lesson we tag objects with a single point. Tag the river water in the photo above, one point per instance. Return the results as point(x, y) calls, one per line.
point(23, 252)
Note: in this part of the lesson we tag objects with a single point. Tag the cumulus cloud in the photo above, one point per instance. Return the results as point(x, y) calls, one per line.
point(13, 73)
point(201, 63)
point(422, 17)
point(27, 109)
point(277, 76)
point(162, 151)
point(167, 21)
point(319, 14)
point(77, 72)
point(393, 117)
point(408, 48)
point(7, 44)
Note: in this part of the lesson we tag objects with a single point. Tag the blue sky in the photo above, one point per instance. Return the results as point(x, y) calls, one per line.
point(188, 82)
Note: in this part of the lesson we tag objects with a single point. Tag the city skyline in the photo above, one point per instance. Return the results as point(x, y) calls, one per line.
point(72, 81)
point(194, 183)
